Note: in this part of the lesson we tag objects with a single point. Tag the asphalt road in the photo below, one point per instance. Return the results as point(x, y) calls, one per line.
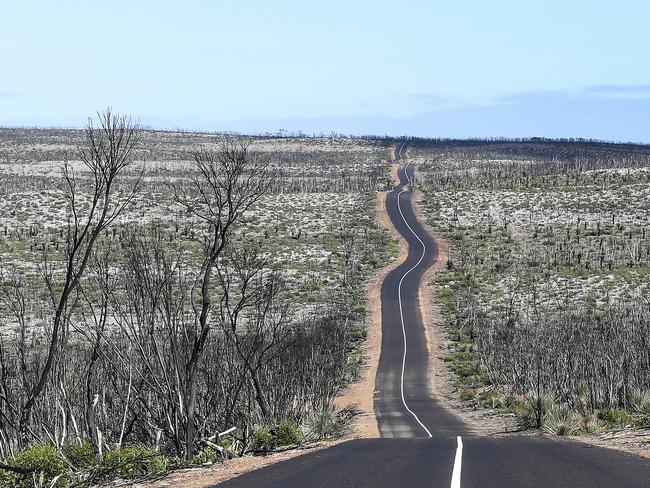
point(514, 462)
point(403, 403)
point(423, 444)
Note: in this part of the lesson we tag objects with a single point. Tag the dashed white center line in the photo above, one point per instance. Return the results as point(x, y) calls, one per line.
point(458, 461)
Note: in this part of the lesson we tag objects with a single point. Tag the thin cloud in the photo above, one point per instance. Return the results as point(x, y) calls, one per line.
point(619, 88)
point(619, 91)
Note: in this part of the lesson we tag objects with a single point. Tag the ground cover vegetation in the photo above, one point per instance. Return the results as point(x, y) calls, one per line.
point(546, 293)
point(171, 299)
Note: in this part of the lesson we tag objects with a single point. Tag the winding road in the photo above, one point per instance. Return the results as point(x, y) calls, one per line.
point(403, 402)
point(423, 444)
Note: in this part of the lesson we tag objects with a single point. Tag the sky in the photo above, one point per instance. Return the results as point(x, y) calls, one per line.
point(464, 68)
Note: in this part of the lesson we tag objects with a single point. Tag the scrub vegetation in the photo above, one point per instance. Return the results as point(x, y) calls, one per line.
point(547, 285)
point(170, 299)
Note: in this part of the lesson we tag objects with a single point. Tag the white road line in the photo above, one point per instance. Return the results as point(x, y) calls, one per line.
point(401, 311)
point(458, 461)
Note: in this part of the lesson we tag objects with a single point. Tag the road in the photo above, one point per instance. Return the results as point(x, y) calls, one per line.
point(424, 444)
point(403, 402)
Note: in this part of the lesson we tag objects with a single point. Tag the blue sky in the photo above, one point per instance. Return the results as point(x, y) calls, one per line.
point(453, 69)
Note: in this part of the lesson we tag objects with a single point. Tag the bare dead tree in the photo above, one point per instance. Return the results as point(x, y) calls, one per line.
point(253, 315)
point(93, 327)
point(226, 183)
point(93, 204)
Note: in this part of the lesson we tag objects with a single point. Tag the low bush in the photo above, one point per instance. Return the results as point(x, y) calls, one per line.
point(533, 409)
point(562, 420)
point(46, 459)
point(326, 424)
point(288, 433)
point(133, 462)
point(525, 415)
point(81, 456)
point(615, 418)
point(467, 395)
point(492, 399)
point(207, 456)
point(639, 401)
point(285, 434)
point(263, 440)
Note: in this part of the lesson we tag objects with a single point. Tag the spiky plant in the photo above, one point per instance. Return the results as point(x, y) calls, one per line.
point(539, 406)
point(639, 401)
point(324, 424)
point(591, 423)
point(562, 420)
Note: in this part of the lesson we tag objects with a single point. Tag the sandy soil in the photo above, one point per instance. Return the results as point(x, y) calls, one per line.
point(203, 477)
point(635, 441)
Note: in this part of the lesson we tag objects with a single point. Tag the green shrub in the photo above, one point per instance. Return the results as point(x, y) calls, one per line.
point(526, 418)
point(285, 434)
point(359, 334)
point(493, 399)
point(288, 433)
point(616, 418)
point(467, 395)
point(468, 371)
point(539, 406)
point(531, 409)
point(207, 455)
point(263, 440)
point(134, 462)
point(639, 401)
point(352, 368)
point(46, 459)
point(80, 456)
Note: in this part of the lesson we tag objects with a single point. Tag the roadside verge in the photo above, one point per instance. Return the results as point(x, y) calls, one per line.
point(361, 393)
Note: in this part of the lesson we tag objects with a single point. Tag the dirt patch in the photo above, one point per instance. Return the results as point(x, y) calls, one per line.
point(634, 441)
point(204, 477)
point(394, 177)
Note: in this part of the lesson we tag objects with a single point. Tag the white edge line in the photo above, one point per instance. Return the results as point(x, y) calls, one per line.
point(401, 311)
point(458, 461)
